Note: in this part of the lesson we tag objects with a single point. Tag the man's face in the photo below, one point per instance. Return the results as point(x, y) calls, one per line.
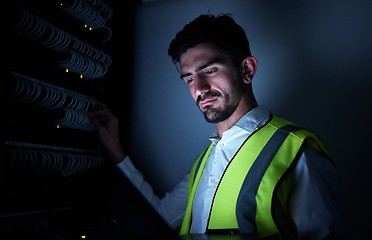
point(213, 80)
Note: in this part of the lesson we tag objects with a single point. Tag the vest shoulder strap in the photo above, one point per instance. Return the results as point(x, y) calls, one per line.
point(194, 178)
point(193, 171)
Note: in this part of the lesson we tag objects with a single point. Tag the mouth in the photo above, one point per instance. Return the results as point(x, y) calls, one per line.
point(206, 102)
point(207, 99)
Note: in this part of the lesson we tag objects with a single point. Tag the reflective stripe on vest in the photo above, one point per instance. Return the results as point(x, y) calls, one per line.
point(247, 195)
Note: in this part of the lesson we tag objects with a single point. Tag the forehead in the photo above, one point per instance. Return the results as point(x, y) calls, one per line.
point(199, 55)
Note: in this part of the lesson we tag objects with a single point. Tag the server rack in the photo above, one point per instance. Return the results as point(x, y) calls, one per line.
point(55, 178)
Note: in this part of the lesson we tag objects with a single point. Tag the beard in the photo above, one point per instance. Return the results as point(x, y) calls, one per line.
point(229, 101)
point(216, 115)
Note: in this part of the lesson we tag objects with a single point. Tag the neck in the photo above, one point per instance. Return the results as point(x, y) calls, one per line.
point(246, 104)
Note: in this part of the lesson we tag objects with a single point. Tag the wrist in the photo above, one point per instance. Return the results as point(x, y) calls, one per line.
point(117, 155)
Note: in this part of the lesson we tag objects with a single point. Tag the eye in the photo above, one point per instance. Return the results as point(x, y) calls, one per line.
point(210, 71)
point(189, 80)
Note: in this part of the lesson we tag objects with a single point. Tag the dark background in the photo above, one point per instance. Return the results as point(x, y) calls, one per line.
point(314, 63)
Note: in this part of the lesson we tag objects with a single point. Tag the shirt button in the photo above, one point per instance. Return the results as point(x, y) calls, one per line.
point(213, 181)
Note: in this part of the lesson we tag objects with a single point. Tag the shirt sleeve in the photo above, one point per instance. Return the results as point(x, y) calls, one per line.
point(171, 207)
point(316, 205)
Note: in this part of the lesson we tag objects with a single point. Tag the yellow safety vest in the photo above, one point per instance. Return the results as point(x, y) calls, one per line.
point(252, 194)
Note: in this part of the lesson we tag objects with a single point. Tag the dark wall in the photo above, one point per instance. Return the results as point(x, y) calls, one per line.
point(314, 63)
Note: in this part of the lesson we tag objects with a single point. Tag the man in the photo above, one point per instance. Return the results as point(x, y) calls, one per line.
point(261, 174)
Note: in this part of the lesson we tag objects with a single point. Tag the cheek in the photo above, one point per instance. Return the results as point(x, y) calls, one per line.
point(220, 86)
point(229, 83)
point(192, 93)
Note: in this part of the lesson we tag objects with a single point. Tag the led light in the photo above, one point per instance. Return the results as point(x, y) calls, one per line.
point(83, 236)
point(81, 76)
point(90, 28)
point(58, 126)
point(66, 69)
point(85, 25)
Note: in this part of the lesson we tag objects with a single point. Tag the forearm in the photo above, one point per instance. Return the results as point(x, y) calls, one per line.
point(116, 154)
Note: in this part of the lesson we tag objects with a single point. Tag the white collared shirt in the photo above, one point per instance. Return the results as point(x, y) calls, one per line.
point(316, 205)
point(222, 152)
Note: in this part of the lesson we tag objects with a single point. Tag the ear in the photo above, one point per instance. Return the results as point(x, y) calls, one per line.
point(249, 66)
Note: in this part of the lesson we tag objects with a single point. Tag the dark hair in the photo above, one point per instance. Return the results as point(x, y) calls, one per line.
point(222, 31)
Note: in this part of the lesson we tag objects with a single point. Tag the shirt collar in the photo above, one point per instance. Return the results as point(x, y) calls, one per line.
point(250, 122)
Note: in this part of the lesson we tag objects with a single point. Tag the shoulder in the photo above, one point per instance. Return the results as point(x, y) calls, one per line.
point(315, 163)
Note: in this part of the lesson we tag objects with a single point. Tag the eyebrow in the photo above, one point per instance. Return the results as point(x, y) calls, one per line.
point(201, 67)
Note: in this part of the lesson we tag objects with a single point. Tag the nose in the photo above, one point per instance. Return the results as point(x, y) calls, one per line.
point(200, 86)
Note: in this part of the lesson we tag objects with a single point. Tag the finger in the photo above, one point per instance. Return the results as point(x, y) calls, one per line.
point(94, 120)
point(104, 112)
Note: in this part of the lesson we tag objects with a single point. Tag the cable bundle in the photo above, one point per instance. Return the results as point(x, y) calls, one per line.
point(39, 224)
point(83, 65)
point(34, 91)
point(77, 119)
point(95, 62)
point(95, 13)
point(89, 51)
point(51, 159)
point(105, 11)
point(75, 106)
point(23, 227)
point(55, 38)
